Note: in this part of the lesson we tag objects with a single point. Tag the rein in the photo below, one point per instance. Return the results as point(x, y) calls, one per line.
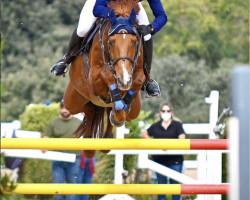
point(111, 63)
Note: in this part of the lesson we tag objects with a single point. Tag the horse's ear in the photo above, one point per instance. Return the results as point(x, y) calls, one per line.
point(112, 17)
point(132, 16)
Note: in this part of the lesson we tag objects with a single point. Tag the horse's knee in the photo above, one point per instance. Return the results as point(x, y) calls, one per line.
point(141, 80)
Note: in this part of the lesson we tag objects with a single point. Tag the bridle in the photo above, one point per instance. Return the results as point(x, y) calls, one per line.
point(110, 64)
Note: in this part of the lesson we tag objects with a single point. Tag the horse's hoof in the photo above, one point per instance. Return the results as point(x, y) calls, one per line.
point(105, 151)
point(112, 120)
point(89, 153)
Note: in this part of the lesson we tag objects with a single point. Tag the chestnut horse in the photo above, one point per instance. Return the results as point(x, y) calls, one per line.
point(111, 86)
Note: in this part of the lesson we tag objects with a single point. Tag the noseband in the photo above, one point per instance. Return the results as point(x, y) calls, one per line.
point(110, 64)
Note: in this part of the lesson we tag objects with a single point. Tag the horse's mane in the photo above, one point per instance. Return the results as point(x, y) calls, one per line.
point(123, 8)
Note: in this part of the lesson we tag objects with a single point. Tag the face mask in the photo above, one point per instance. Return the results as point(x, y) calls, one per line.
point(165, 116)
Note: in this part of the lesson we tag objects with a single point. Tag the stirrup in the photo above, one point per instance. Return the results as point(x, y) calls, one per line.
point(54, 69)
point(156, 85)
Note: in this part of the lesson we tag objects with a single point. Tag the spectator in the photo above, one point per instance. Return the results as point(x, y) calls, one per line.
point(64, 172)
point(167, 127)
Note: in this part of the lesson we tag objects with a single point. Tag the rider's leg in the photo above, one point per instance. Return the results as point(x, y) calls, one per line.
point(74, 45)
point(151, 88)
point(76, 38)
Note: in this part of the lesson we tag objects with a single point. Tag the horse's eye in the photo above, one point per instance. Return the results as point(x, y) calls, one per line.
point(111, 41)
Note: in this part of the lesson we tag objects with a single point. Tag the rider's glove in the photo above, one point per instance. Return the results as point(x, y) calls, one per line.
point(145, 29)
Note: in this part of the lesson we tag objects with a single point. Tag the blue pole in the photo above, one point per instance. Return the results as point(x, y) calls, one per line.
point(241, 110)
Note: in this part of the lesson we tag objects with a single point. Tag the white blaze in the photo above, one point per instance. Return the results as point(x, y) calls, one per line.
point(124, 36)
point(125, 74)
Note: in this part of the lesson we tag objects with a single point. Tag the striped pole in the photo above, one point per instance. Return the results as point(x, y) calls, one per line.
point(50, 189)
point(109, 144)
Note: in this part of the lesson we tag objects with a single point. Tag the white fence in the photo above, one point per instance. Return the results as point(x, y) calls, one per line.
point(208, 163)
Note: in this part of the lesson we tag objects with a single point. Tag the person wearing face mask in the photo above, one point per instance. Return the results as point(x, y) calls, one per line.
point(169, 127)
point(79, 171)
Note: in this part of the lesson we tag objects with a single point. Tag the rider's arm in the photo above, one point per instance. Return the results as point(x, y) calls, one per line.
point(101, 9)
point(159, 13)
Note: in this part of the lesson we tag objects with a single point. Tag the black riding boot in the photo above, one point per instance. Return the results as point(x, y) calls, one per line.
point(150, 85)
point(74, 45)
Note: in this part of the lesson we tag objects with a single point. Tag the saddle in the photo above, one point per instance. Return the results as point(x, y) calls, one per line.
point(88, 39)
point(87, 43)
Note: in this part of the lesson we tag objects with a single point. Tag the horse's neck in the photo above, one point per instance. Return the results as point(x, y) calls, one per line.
point(101, 38)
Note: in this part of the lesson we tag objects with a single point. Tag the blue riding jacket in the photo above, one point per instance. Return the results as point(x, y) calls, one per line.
point(101, 10)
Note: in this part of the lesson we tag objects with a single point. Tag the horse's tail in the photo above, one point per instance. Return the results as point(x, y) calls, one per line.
point(81, 129)
point(97, 128)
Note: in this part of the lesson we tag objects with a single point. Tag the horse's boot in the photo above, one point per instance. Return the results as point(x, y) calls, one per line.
point(74, 45)
point(151, 86)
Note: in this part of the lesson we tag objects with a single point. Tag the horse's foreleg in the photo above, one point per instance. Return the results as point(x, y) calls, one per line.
point(138, 81)
point(135, 107)
point(118, 114)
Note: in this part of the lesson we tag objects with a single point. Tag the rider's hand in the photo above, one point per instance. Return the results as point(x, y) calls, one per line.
point(145, 29)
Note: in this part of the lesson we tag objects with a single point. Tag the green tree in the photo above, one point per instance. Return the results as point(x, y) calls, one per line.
point(30, 85)
point(36, 35)
point(205, 29)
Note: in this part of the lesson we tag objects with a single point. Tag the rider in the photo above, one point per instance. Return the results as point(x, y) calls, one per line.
point(99, 8)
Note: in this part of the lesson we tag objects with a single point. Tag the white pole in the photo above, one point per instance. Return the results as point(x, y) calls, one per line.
point(214, 171)
point(234, 161)
point(120, 132)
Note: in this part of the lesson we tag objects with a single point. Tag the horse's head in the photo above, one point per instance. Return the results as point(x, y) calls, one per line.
point(124, 48)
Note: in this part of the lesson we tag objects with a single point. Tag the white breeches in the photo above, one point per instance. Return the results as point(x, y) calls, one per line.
point(87, 19)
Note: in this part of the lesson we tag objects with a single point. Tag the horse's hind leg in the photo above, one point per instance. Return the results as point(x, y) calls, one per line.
point(109, 130)
point(74, 102)
point(89, 111)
